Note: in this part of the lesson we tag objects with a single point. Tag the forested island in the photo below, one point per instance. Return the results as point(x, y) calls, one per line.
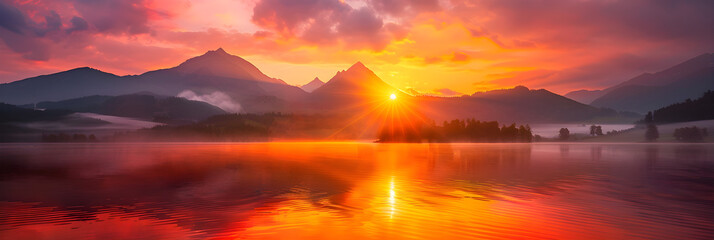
point(457, 130)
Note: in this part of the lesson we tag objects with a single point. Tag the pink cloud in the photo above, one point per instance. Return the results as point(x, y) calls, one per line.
point(326, 22)
point(460, 57)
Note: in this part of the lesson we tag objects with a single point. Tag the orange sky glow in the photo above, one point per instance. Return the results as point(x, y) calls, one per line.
point(440, 47)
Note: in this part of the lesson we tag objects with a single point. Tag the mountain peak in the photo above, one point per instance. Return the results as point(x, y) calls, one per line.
point(85, 70)
point(82, 69)
point(520, 89)
point(358, 66)
point(217, 52)
point(358, 80)
point(222, 64)
point(312, 85)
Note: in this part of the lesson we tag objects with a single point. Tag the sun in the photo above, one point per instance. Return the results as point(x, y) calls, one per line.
point(393, 96)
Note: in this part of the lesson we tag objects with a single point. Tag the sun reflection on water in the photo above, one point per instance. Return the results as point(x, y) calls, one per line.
point(349, 191)
point(392, 200)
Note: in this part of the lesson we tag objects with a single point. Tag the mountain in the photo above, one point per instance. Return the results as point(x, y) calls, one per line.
point(218, 71)
point(650, 91)
point(142, 106)
point(518, 104)
point(359, 91)
point(677, 73)
point(221, 64)
point(354, 92)
point(585, 96)
point(63, 85)
point(354, 89)
point(312, 85)
point(215, 71)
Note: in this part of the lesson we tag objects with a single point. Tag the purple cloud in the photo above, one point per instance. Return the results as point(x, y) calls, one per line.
point(326, 22)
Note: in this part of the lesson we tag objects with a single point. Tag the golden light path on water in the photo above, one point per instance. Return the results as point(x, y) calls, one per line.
point(392, 201)
point(356, 191)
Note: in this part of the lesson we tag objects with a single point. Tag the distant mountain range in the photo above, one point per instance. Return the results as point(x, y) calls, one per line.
point(312, 85)
point(354, 91)
point(518, 104)
point(650, 91)
point(214, 71)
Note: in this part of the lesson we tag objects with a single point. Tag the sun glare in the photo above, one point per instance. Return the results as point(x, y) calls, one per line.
point(393, 96)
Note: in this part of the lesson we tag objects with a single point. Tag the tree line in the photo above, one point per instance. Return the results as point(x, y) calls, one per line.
point(689, 110)
point(457, 130)
point(690, 134)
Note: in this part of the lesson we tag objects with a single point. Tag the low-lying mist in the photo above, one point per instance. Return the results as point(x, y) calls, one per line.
point(217, 98)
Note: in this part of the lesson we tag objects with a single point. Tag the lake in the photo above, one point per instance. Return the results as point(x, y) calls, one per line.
point(356, 191)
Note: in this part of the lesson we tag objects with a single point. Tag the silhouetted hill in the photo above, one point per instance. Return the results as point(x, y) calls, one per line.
point(12, 113)
point(258, 127)
point(63, 85)
point(215, 71)
point(83, 104)
point(13, 117)
point(140, 106)
point(312, 85)
point(519, 104)
point(690, 110)
point(584, 96)
point(649, 91)
point(677, 73)
point(641, 98)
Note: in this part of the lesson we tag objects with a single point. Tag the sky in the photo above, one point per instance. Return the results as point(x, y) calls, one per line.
point(441, 47)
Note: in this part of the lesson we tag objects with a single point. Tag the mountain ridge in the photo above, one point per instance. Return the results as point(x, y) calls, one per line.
point(348, 92)
point(199, 74)
point(675, 77)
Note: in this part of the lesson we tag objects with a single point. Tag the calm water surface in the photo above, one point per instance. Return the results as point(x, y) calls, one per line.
point(356, 191)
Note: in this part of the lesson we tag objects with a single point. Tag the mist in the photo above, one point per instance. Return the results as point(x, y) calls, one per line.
point(217, 98)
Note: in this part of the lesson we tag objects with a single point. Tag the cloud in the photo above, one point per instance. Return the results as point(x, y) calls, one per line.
point(218, 99)
point(117, 16)
point(290, 17)
point(326, 22)
point(567, 23)
point(78, 24)
point(12, 19)
point(400, 8)
point(23, 35)
point(447, 92)
point(460, 57)
point(412, 91)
